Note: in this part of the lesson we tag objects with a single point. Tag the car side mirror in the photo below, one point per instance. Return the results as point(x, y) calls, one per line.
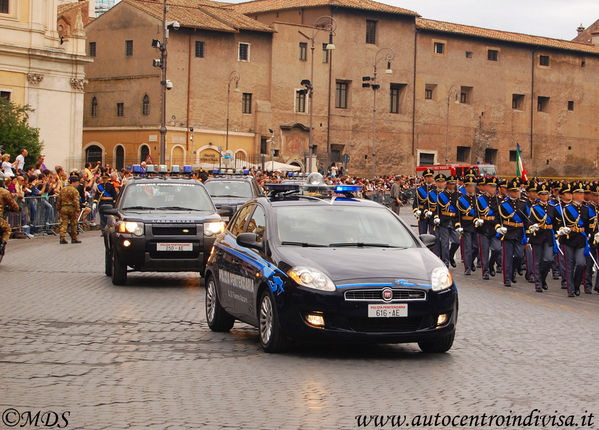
point(110, 211)
point(249, 240)
point(428, 240)
point(227, 211)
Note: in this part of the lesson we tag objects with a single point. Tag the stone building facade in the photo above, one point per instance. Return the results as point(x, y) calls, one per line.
point(455, 93)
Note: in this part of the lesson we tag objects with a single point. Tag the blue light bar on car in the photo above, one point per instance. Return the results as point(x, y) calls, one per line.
point(216, 171)
point(282, 187)
point(175, 168)
point(136, 168)
point(348, 189)
point(150, 168)
point(187, 168)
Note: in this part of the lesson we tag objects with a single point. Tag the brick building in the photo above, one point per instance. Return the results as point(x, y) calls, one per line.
point(456, 93)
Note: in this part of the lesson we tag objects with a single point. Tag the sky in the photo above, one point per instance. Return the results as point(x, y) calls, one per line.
point(549, 18)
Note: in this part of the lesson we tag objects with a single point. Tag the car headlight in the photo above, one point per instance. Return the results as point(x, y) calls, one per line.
point(136, 228)
point(441, 279)
point(212, 228)
point(311, 278)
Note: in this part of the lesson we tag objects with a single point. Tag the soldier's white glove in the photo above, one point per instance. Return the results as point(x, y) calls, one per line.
point(428, 214)
point(417, 213)
point(567, 230)
point(478, 222)
point(563, 231)
point(501, 230)
point(437, 221)
point(534, 228)
point(460, 230)
point(94, 206)
point(596, 237)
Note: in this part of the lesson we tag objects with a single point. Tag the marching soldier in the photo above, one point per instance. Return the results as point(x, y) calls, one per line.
point(573, 222)
point(105, 197)
point(542, 237)
point(554, 201)
point(423, 208)
point(589, 202)
point(67, 204)
point(595, 237)
point(5, 200)
point(486, 205)
point(512, 227)
point(529, 201)
point(466, 206)
point(454, 238)
point(444, 217)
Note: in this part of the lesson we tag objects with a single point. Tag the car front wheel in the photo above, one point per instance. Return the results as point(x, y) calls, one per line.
point(438, 344)
point(218, 319)
point(119, 270)
point(272, 337)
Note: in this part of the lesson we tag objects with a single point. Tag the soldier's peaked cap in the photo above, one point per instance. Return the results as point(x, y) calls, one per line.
point(428, 172)
point(514, 184)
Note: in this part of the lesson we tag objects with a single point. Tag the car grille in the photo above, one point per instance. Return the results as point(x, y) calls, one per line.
point(377, 295)
point(372, 325)
point(184, 230)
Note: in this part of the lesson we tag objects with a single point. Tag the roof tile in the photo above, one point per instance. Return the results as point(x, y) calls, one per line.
point(259, 6)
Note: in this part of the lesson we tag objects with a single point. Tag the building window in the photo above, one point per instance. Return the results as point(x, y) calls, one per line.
point(94, 111)
point(426, 158)
point(5, 95)
point(129, 48)
point(244, 52)
point(517, 101)
point(341, 95)
point(513, 156)
point(463, 153)
point(325, 53)
point(4, 6)
point(439, 48)
point(93, 153)
point(264, 145)
point(144, 153)
point(199, 49)
point(120, 109)
point(429, 91)
point(544, 60)
point(300, 101)
point(492, 54)
point(490, 155)
point(571, 105)
point(370, 31)
point(468, 54)
point(466, 95)
point(145, 105)
point(246, 103)
point(92, 49)
point(583, 63)
point(303, 51)
point(542, 103)
point(396, 93)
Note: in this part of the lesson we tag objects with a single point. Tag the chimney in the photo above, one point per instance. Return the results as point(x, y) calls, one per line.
point(580, 28)
point(91, 8)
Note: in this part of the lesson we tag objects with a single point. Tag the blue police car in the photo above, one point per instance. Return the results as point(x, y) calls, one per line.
point(308, 265)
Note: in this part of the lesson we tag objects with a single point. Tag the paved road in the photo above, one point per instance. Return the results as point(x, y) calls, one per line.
point(141, 356)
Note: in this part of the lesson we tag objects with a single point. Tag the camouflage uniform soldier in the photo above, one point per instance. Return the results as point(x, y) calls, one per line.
point(67, 204)
point(5, 200)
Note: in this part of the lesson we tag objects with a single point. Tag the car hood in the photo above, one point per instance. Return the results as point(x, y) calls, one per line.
point(153, 217)
point(361, 264)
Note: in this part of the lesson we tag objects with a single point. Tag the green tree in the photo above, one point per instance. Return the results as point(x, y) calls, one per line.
point(16, 133)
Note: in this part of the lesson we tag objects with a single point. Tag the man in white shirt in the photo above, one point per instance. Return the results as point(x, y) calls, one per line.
point(19, 163)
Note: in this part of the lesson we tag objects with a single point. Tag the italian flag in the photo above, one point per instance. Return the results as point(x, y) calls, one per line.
point(520, 170)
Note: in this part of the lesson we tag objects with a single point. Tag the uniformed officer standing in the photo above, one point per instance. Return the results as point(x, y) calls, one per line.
point(529, 201)
point(423, 208)
point(447, 214)
point(105, 197)
point(589, 202)
point(486, 205)
point(542, 236)
point(573, 222)
point(68, 206)
point(466, 206)
point(442, 218)
point(512, 228)
point(7, 200)
point(554, 201)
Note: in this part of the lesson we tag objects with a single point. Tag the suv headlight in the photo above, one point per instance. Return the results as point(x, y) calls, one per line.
point(212, 228)
point(311, 278)
point(135, 228)
point(441, 279)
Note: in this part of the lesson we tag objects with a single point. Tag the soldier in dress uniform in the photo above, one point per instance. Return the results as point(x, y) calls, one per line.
point(466, 206)
point(454, 238)
point(6, 200)
point(594, 239)
point(486, 205)
point(105, 197)
point(529, 200)
point(512, 227)
point(445, 218)
point(589, 202)
point(440, 183)
point(542, 236)
point(423, 208)
point(554, 201)
point(573, 222)
point(68, 206)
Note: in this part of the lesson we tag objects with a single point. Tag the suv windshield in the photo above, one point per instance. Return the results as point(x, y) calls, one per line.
point(239, 189)
point(166, 196)
point(330, 226)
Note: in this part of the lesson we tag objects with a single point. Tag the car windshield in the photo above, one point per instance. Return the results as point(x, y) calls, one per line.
point(332, 226)
point(240, 189)
point(166, 196)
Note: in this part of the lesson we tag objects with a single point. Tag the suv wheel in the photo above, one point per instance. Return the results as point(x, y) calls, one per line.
point(218, 319)
point(272, 338)
point(119, 270)
point(438, 344)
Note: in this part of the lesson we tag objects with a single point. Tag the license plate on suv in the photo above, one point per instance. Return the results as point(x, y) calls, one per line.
point(174, 247)
point(388, 311)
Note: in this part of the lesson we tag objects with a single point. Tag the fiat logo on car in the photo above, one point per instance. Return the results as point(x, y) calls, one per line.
point(387, 294)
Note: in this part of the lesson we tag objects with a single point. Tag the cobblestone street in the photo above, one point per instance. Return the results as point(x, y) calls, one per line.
point(142, 356)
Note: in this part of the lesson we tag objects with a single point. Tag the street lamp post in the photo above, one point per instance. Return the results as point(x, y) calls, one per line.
point(452, 90)
point(370, 82)
point(325, 23)
point(234, 76)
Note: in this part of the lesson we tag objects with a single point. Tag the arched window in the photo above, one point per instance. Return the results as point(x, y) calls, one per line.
point(145, 108)
point(94, 107)
point(93, 153)
point(144, 152)
point(119, 157)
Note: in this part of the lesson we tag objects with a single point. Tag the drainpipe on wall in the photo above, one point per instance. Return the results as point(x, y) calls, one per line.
point(532, 101)
point(414, 97)
point(188, 101)
point(330, 54)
